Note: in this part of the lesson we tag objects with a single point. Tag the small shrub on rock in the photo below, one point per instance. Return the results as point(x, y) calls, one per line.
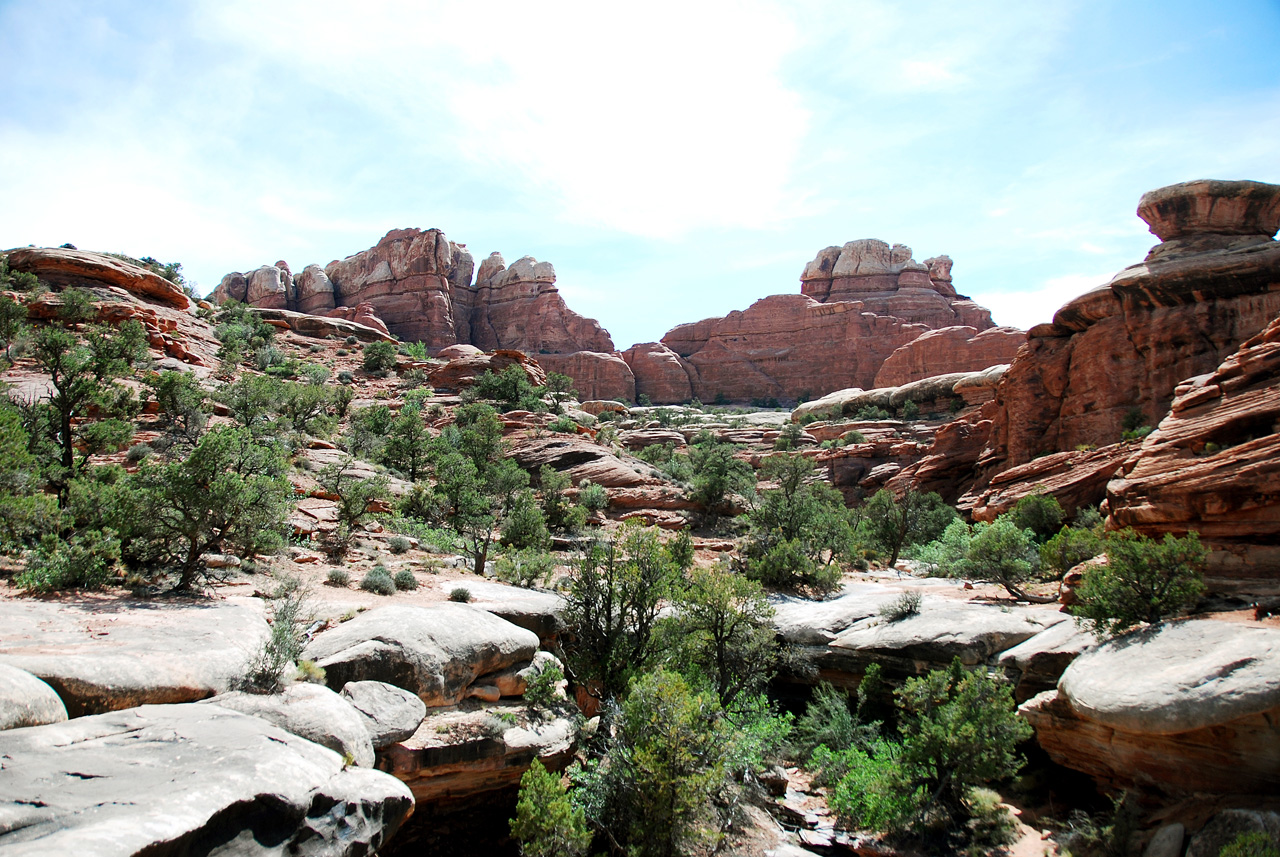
point(398, 544)
point(460, 594)
point(905, 605)
point(1143, 581)
point(542, 688)
point(338, 577)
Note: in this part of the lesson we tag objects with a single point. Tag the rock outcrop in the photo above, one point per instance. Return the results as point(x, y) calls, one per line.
point(1213, 466)
point(595, 375)
point(1188, 707)
point(949, 350)
point(1126, 346)
point(62, 268)
point(27, 701)
point(184, 779)
point(308, 711)
point(101, 662)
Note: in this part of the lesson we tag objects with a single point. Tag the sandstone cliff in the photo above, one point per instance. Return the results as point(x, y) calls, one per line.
point(858, 304)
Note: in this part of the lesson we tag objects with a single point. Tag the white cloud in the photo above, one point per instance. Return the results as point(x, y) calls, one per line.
point(1026, 308)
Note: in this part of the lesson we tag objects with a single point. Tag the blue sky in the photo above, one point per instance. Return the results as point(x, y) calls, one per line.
point(674, 160)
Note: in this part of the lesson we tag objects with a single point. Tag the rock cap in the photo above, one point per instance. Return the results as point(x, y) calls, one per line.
point(1212, 206)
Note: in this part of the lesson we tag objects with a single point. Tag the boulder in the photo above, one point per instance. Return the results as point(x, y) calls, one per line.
point(184, 779)
point(320, 326)
point(660, 373)
point(533, 609)
point(1181, 708)
point(462, 372)
point(364, 314)
point(308, 711)
point(1226, 826)
point(145, 652)
point(1212, 466)
point(598, 407)
point(437, 652)
point(595, 375)
point(61, 268)
point(578, 457)
point(390, 714)
point(27, 701)
point(1035, 665)
point(455, 351)
point(314, 291)
point(1207, 206)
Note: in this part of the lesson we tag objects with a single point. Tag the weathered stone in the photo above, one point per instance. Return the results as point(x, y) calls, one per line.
point(595, 375)
point(436, 652)
point(182, 779)
point(1208, 206)
point(1167, 842)
point(533, 609)
point(62, 268)
point(1226, 826)
point(365, 314)
point(462, 372)
point(1076, 479)
point(320, 326)
point(308, 711)
point(1036, 664)
point(26, 700)
point(660, 373)
point(1212, 465)
point(390, 714)
point(578, 457)
point(598, 407)
point(949, 350)
point(149, 653)
point(314, 291)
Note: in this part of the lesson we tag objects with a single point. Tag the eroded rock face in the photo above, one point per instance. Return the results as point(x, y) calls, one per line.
point(462, 372)
point(390, 714)
point(61, 268)
point(1212, 465)
point(858, 304)
point(1183, 708)
point(182, 779)
point(1128, 345)
point(949, 350)
point(1075, 478)
point(436, 652)
point(105, 662)
point(595, 375)
point(660, 373)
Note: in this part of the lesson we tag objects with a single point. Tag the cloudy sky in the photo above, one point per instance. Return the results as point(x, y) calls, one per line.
point(674, 160)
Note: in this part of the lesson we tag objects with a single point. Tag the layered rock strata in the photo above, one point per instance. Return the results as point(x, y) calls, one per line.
point(1211, 284)
point(1213, 466)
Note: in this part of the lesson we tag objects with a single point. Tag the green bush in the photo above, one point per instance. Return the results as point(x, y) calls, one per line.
point(398, 544)
point(592, 497)
point(1256, 844)
point(563, 425)
point(905, 605)
point(916, 518)
point(827, 721)
point(542, 688)
point(909, 410)
point(1070, 547)
point(871, 795)
point(405, 580)
point(872, 413)
point(1040, 513)
point(460, 594)
point(84, 562)
point(1143, 581)
point(525, 526)
point(547, 824)
point(338, 577)
point(527, 567)
point(379, 357)
point(378, 581)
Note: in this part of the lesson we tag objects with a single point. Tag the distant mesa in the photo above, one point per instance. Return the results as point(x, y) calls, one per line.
point(859, 305)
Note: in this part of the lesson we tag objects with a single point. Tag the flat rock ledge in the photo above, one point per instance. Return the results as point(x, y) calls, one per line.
point(1182, 708)
point(187, 779)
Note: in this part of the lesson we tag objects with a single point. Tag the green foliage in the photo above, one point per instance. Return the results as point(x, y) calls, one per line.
point(406, 442)
point(229, 493)
point(378, 357)
point(716, 472)
point(670, 762)
point(524, 526)
point(77, 306)
point(872, 413)
point(398, 544)
point(1256, 844)
point(1004, 554)
point(592, 497)
point(528, 567)
point(13, 324)
point(827, 721)
point(24, 512)
point(542, 688)
point(680, 550)
point(378, 581)
point(555, 503)
point(289, 612)
point(17, 281)
point(181, 401)
point(416, 350)
point(241, 331)
point(909, 410)
point(1070, 547)
point(510, 388)
point(915, 518)
point(789, 437)
point(354, 496)
point(368, 431)
point(1039, 513)
point(871, 793)
point(251, 400)
point(799, 530)
point(1143, 581)
point(547, 824)
point(722, 631)
point(613, 605)
point(405, 580)
point(338, 577)
point(559, 389)
point(460, 594)
point(84, 562)
point(305, 408)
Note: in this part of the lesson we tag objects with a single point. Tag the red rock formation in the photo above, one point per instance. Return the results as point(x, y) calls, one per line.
point(858, 304)
point(364, 314)
point(62, 268)
point(595, 375)
point(1075, 478)
point(1196, 297)
point(660, 373)
point(463, 371)
point(948, 350)
point(1213, 465)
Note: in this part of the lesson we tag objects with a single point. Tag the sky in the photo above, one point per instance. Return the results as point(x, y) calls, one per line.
point(673, 160)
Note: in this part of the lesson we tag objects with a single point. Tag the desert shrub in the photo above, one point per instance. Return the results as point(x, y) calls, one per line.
point(1070, 547)
point(547, 823)
point(18, 281)
point(915, 518)
point(657, 454)
point(525, 526)
point(1143, 581)
point(870, 794)
point(460, 594)
point(378, 581)
point(416, 350)
point(289, 610)
point(378, 357)
point(851, 437)
point(525, 567)
point(905, 605)
point(593, 497)
point(398, 544)
point(789, 437)
point(990, 823)
point(350, 340)
point(510, 389)
point(1039, 513)
point(137, 452)
point(871, 413)
point(827, 721)
point(716, 472)
point(1255, 844)
point(542, 687)
point(338, 577)
point(563, 425)
point(405, 581)
point(909, 410)
point(85, 561)
point(346, 376)
point(315, 373)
